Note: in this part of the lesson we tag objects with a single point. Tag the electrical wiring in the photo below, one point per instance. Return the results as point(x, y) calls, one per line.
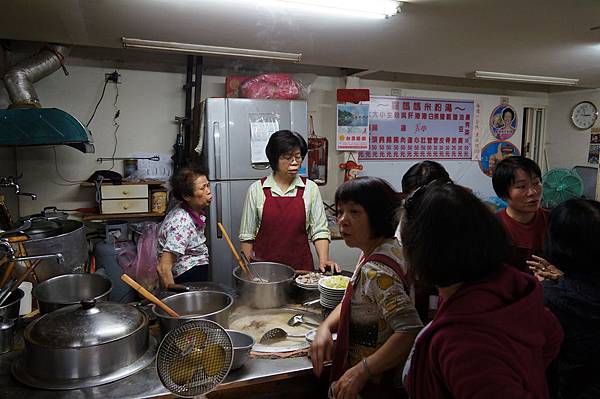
point(70, 182)
point(115, 124)
point(97, 104)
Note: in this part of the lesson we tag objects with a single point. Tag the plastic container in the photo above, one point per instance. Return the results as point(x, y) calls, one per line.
point(130, 167)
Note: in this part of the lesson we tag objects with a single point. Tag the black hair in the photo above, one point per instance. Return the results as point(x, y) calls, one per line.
point(182, 182)
point(379, 200)
point(449, 236)
point(508, 110)
point(504, 174)
point(423, 173)
point(572, 242)
point(281, 142)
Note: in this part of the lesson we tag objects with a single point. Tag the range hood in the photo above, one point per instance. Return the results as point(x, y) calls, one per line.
point(43, 126)
point(26, 123)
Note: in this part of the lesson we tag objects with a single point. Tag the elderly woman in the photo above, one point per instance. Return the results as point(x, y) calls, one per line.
point(181, 240)
point(284, 211)
point(376, 322)
point(492, 336)
point(572, 246)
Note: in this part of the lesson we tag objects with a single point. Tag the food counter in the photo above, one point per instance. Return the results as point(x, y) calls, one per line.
point(290, 376)
point(253, 379)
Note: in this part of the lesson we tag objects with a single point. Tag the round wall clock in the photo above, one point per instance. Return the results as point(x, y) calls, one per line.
point(584, 115)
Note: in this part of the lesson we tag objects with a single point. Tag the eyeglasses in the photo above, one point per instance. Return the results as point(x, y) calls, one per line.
point(204, 187)
point(291, 157)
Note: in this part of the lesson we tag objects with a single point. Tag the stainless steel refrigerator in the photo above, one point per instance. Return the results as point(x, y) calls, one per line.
point(235, 132)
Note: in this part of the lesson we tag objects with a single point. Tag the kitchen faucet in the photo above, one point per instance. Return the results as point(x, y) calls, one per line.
point(10, 181)
point(10, 252)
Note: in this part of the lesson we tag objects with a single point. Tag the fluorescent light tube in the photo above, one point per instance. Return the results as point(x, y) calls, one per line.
point(371, 8)
point(174, 47)
point(526, 78)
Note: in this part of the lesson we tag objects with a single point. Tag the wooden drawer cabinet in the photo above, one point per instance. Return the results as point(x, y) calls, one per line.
point(124, 191)
point(125, 205)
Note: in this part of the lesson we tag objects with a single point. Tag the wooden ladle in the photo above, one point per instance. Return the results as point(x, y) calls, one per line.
point(234, 252)
point(148, 295)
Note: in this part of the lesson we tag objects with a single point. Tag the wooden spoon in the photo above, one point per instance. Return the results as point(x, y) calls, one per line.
point(148, 295)
point(234, 252)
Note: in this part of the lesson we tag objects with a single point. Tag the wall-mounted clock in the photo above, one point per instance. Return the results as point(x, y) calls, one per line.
point(584, 115)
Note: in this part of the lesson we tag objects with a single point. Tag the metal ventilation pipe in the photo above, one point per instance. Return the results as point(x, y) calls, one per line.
point(20, 78)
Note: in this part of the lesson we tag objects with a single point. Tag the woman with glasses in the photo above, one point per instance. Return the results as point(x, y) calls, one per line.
point(518, 181)
point(183, 254)
point(492, 337)
point(284, 211)
point(376, 323)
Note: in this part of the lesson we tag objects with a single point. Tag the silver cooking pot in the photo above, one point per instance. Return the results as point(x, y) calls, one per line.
point(51, 236)
point(211, 305)
point(85, 345)
point(276, 292)
point(71, 289)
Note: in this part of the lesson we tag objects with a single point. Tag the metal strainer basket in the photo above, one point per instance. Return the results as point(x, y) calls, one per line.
point(194, 358)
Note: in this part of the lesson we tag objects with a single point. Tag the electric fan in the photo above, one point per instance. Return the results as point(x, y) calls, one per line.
point(561, 185)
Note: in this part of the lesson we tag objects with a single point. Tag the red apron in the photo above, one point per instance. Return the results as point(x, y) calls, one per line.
point(340, 351)
point(282, 234)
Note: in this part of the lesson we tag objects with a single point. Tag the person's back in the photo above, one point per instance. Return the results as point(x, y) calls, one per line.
point(492, 336)
point(575, 297)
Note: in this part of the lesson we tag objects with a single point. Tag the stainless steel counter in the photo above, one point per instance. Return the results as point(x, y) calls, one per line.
point(146, 384)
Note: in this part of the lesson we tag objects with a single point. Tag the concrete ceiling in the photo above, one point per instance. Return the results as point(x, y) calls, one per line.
point(429, 38)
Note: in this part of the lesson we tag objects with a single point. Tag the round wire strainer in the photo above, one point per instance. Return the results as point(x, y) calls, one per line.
point(194, 358)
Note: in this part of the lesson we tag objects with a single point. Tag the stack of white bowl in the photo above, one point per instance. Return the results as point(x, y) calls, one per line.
point(330, 297)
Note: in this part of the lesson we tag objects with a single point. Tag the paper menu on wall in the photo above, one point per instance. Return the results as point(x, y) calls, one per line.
point(262, 126)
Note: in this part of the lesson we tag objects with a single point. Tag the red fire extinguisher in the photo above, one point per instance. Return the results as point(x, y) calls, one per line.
point(317, 157)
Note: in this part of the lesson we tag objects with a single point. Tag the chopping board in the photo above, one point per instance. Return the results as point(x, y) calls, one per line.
point(255, 322)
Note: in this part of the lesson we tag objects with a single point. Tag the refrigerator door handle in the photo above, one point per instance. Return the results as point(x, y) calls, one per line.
point(261, 166)
point(217, 143)
point(219, 208)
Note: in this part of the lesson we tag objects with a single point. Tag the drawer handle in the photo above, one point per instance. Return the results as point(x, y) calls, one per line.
point(125, 206)
point(125, 192)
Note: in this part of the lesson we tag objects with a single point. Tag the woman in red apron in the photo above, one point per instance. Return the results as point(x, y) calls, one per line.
point(376, 323)
point(283, 211)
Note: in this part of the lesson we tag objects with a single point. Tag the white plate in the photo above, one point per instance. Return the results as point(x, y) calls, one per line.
point(323, 287)
point(310, 336)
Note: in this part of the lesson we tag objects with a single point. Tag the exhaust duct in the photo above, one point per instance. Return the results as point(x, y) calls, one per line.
point(26, 123)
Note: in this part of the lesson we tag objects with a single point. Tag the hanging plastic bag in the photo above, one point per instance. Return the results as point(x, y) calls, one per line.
point(142, 266)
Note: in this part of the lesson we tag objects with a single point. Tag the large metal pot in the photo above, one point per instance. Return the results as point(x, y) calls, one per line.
point(10, 309)
point(51, 236)
point(275, 293)
point(85, 345)
point(210, 305)
point(71, 289)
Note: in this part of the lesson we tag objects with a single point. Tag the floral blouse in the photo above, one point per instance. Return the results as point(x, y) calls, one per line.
point(179, 235)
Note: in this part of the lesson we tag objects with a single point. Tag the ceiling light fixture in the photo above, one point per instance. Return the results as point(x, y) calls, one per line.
point(526, 78)
point(370, 9)
point(174, 47)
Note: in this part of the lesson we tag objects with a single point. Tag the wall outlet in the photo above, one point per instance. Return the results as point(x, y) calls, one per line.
point(114, 77)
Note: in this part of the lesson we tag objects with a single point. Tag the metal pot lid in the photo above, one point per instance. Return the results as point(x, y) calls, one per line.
point(85, 324)
point(45, 227)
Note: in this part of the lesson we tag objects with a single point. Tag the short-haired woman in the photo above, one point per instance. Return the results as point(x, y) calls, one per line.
point(572, 246)
point(181, 240)
point(284, 211)
point(376, 323)
point(492, 336)
point(518, 181)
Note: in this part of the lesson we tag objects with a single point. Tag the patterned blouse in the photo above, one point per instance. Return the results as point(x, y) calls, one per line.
point(179, 235)
point(380, 306)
